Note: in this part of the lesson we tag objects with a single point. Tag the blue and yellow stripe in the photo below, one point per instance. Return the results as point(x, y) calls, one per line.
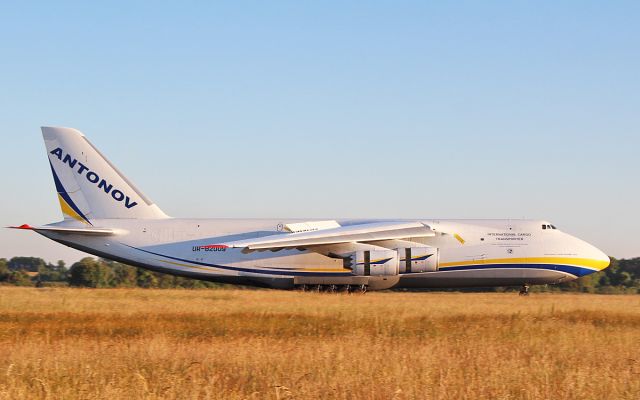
point(572, 265)
point(67, 205)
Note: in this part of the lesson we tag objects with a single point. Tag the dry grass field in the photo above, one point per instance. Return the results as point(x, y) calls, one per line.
point(235, 344)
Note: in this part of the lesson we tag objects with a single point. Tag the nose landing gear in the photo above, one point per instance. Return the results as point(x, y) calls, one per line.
point(524, 290)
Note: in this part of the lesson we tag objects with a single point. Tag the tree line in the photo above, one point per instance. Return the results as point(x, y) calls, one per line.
point(89, 272)
point(622, 276)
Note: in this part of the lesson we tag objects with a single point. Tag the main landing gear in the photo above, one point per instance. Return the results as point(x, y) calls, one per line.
point(333, 288)
point(524, 290)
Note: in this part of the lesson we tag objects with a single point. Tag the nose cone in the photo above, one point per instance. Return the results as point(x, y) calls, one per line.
point(602, 258)
point(594, 259)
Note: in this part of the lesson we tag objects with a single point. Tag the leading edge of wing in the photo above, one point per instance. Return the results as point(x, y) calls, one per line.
point(345, 234)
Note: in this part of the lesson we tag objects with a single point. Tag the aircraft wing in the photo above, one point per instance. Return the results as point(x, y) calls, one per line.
point(361, 233)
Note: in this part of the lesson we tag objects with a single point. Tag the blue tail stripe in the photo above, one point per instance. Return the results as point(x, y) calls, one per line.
point(62, 192)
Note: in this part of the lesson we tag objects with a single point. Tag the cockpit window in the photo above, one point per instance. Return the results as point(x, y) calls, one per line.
point(544, 226)
point(548, 226)
point(553, 227)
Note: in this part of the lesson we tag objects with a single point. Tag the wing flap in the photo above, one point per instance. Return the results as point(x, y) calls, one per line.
point(311, 226)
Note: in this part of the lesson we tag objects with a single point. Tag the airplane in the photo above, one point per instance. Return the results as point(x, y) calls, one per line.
point(106, 215)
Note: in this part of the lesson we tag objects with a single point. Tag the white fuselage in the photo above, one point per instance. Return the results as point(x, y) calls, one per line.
point(107, 215)
point(469, 253)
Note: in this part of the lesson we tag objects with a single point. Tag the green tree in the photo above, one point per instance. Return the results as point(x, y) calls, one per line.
point(90, 272)
point(53, 273)
point(123, 275)
point(29, 264)
point(631, 266)
point(4, 270)
point(585, 284)
point(146, 279)
point(19, 278)
point(166, 281)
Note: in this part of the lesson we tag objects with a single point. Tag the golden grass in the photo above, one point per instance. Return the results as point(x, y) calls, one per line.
point(235, 344)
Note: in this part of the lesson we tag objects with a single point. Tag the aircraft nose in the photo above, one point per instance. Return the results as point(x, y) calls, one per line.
point(592, 259)
point(602, 257)
point(597, 258)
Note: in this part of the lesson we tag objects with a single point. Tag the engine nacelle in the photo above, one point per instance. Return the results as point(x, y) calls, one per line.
point(374, 262)
point(418, 259)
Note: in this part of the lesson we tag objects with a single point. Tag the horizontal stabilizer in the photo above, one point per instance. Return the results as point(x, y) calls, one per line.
point(74, 231)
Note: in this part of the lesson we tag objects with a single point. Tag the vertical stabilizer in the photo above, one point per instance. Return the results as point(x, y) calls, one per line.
point(88, 185)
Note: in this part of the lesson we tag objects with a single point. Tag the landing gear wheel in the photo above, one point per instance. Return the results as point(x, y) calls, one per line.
point(524, 290)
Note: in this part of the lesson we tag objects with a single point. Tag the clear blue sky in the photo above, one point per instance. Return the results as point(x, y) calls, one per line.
point(328, 109)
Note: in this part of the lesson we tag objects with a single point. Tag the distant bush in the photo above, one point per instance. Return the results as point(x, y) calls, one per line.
point(28, 264)
point(90, 272)
point(4, 270)
point(19, 278)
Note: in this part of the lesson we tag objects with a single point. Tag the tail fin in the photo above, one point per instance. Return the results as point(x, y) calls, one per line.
point(89, 186)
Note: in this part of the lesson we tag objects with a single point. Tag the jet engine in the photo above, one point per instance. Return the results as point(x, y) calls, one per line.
point(404, 260)
point(374, 262)
point(418, 259)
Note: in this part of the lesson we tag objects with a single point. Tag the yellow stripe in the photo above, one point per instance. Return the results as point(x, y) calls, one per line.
point(66, 209)
point(184, 265)
point(209, 269)
point(580, 262)
point(461, 240)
